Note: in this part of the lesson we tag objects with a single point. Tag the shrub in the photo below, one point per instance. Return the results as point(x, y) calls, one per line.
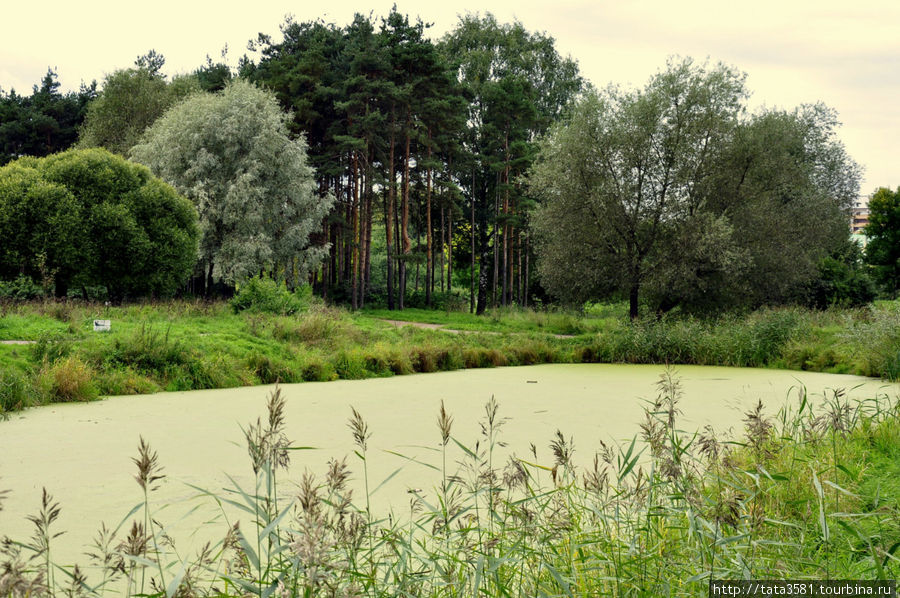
point(17, 391)
point(878, 342)
point(51, 347)
point(89, 217)
point(350, 365)
point(481, 357)
point(146, 350)
point(269, 370)
point(70, 380)
point(20, 289)
point(317, 370)
point(125, 382)
point(265, 295)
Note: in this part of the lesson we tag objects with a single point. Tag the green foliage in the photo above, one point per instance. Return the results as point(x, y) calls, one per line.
point(842, 281)
point(90, 218)
point(43, 123)
point(230, 153)
point(883, 233)
point(51, 347)
point(262, 294)
point(270, 370)
point(757, 340)
point(517, 85)
point(877, 339)
point(131, 100)
point(22, 288)
point(670, 194)
point(196, 345)
point(17, 391)
point(68, 380)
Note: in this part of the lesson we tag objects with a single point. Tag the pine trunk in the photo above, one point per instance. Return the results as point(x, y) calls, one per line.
point(389, 217)
point(404, 217)
point(353, 241)
point(428, 263)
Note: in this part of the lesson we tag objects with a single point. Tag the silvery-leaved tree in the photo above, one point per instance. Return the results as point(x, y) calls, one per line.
point(230, 153)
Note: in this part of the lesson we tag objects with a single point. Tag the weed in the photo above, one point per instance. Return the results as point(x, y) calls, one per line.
point(68, 380)
point(262, 294)
point(17, 391)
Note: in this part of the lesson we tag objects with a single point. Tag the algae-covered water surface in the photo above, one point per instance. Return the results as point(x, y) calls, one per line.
point(82, 453)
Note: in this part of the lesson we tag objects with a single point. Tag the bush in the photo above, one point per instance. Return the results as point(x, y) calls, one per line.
point(147, 351)
point(269, 370)
point(840, 284)
point(317, 370)
point(88, 217)
point(17, 391)
point(20, 289)
point(351, 365)
point(51, 347)
point(265, 295)
point(70, 380)
point(878, 342)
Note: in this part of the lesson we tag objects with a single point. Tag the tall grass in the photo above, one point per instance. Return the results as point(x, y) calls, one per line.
point(197, 345)
point(796, 496)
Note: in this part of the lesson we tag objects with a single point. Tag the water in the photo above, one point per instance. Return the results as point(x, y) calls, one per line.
point(82, 452)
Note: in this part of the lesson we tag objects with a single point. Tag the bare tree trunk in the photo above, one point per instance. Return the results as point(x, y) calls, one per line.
point(449, 250)
point(367, 262)
point(428, 265)
point(525, 295)
point(495, 243)
point(472, 233)
point(354, 230)
point(443, 244)
point(389, 216)
point(507, 263)
point(404, 218)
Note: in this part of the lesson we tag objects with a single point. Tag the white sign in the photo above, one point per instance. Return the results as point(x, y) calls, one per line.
point(101, 325)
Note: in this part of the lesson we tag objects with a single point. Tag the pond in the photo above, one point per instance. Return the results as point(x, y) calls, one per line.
point(82, 453)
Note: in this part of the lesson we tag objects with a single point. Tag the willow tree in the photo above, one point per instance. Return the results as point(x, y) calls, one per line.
point(671, 194)
point(624, 174)
point(255, 193)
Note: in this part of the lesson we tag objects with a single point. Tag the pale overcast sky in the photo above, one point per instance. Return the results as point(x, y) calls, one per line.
point(845, 53)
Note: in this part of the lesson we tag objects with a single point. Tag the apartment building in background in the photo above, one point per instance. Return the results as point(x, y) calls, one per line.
point(859, 215)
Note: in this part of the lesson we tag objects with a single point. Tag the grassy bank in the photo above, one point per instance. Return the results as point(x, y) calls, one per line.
point(195, 345)
point(807, 494)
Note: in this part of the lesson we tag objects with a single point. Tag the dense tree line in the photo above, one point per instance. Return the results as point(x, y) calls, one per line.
point(423, 140)
point(43, 123)
point(399, 167)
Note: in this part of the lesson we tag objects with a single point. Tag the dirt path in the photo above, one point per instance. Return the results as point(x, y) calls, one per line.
point(401, 324)
point(17, 342)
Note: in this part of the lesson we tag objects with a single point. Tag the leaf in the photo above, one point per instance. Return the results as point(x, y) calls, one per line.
point(248, 550)
point(386, 480)
point(268, 529)
point(823, 524)
point(838, 488)
point(562, 583)
point(412, 459)
point(176, 581)
point(628, 461)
